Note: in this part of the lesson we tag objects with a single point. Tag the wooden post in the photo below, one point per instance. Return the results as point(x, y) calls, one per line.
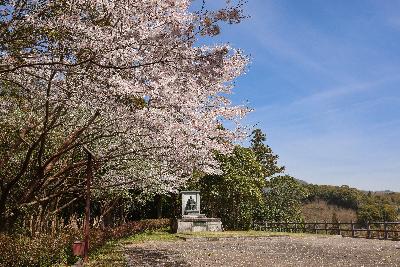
point(339, 229)
point(315, 228)
point(326, 228)
point(385, 229)
point(352, 229)
point(368, 230)
point(86, 228)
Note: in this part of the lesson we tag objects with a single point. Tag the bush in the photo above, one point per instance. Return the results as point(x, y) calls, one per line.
point(42, 250)
point(46, 249)
point(377, 212)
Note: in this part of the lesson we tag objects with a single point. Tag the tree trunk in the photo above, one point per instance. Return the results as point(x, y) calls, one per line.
point(158, 200)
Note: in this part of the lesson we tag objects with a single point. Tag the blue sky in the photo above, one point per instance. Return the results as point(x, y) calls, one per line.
point(325, 85)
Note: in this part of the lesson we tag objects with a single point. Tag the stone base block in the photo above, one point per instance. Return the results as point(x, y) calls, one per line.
point(201, 224)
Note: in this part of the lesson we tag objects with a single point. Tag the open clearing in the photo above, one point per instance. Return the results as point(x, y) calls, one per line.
point(265, 251)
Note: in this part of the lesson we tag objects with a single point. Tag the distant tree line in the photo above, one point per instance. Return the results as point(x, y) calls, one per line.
point(370, 206)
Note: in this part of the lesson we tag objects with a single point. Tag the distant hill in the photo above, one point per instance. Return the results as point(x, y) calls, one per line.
point(384, 192)
point(301, 181)
point(365, 191)
point(345, 203)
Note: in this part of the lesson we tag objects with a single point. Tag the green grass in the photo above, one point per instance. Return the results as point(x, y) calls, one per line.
point(111, 254)
point(151, 236)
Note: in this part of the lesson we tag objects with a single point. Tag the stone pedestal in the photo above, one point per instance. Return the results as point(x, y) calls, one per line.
point(192, 220)
point(198, 224)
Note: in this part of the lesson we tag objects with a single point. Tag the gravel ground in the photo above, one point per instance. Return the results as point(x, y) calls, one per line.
point(267, 251)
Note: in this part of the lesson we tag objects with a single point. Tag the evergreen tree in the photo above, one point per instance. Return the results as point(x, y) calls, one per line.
point(264, 154)
point(235, 195)
point(283, 199)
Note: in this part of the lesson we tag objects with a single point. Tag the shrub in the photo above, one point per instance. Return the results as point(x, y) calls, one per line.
point(377, 212)
point(46, 249)
point(42, 250)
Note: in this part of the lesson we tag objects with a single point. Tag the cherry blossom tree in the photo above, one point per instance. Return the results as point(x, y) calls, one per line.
point(127, 79)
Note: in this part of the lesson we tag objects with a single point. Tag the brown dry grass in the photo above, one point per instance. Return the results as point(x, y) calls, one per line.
point(321, 211)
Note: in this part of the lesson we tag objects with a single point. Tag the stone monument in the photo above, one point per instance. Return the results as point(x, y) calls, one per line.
point(192, 220)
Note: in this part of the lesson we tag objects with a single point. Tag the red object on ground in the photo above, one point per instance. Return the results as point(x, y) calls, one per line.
point(78, 247)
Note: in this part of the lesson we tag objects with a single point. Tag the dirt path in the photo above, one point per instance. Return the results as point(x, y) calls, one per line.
point(267, 251)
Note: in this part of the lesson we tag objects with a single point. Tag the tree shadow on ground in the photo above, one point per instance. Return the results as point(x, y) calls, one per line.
point(151, 257)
